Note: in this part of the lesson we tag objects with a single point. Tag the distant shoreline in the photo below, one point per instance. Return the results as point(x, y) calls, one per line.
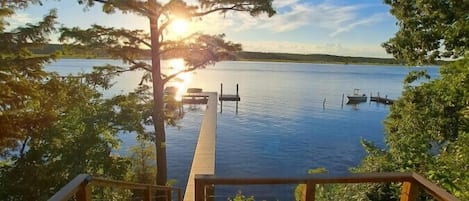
point(255, 57)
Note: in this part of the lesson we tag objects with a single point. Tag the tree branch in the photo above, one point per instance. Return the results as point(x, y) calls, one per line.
point(234, 8)
point(23, 146)
point(178, 73)
point(137, 39)
point(137, 65)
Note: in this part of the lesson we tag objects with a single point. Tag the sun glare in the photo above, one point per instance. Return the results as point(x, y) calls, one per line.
point(180, 26)
point(183, 79)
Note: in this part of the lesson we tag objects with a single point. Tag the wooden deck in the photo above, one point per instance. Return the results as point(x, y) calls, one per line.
point(204, 155)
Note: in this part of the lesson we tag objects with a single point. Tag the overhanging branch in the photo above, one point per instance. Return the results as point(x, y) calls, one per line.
point(169, 77)
point(237, 7)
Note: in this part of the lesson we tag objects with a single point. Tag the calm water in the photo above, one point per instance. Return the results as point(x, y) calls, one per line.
point(282, 128)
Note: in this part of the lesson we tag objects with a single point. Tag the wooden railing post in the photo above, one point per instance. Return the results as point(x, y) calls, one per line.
point(199, 190)
point(147, 193)
point(84, 193)
point(310, 190)
point(409, 192)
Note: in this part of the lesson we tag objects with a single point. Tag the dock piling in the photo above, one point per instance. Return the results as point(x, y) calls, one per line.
point(221, 95)
point(228, 97)
point(324, 104)
point(343, 96)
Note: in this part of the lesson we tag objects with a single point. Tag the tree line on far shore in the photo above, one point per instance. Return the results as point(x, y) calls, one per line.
point(244, 56)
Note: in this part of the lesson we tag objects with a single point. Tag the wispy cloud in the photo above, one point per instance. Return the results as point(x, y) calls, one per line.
point(310, 48)
point(19, 19)
point(362, 22)
point(295, 14)
point(283, 3)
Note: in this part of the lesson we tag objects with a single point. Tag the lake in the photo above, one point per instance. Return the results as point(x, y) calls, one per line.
point(283, 126)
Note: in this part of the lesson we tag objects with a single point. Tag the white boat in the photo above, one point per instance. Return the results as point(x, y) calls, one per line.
point(357, 97)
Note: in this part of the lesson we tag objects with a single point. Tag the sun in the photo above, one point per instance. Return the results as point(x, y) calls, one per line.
point(180, 26)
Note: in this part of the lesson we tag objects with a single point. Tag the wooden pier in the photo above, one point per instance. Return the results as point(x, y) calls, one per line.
point(382, 100)
point(229, 97)
point(204, 155)
point(195, 98)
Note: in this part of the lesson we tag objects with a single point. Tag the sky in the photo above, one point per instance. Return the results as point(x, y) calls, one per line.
point(338, 27)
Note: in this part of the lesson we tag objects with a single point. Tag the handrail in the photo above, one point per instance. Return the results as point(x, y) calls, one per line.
point(80, 187)
point(411, 182)
point(69, 190)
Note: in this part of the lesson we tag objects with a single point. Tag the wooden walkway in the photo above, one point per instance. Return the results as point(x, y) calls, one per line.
point(204, 155)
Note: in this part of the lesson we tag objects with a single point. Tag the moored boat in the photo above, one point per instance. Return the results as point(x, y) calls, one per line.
point(357, 97)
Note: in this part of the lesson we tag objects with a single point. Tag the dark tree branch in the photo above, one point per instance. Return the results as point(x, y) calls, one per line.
point(23, 146)
point(163, 27)
point(168, 78)
point(224, 9)
point(137, 39)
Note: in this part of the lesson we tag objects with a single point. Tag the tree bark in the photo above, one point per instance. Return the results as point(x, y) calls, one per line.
point(158, 113)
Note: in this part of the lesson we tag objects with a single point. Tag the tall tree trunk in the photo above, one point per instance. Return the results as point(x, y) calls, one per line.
point(158, 114)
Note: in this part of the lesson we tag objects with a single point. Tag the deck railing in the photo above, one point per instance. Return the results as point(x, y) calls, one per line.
point(411, 184)
point(80, 189)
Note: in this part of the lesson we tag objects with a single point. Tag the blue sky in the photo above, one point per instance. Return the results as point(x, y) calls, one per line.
point(340, 27)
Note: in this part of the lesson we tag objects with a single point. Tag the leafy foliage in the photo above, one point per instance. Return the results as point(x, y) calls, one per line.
point(24, 106)
point(143, 163)
point(429, 29)
point(427, 132)
point(240, 197)
point(53, 127)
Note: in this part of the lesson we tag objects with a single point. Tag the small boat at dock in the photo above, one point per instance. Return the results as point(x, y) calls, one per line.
point(357, 97)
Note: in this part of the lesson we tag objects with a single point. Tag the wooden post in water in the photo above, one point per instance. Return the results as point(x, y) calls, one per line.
point(371, 96)
point(221, 95)
point(343, 96)
point(324, 104)
point(237, 95)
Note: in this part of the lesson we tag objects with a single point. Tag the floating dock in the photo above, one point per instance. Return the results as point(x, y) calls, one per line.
point(195, 98)
point(380, 99)
point(229, 97)
point(385, 100)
